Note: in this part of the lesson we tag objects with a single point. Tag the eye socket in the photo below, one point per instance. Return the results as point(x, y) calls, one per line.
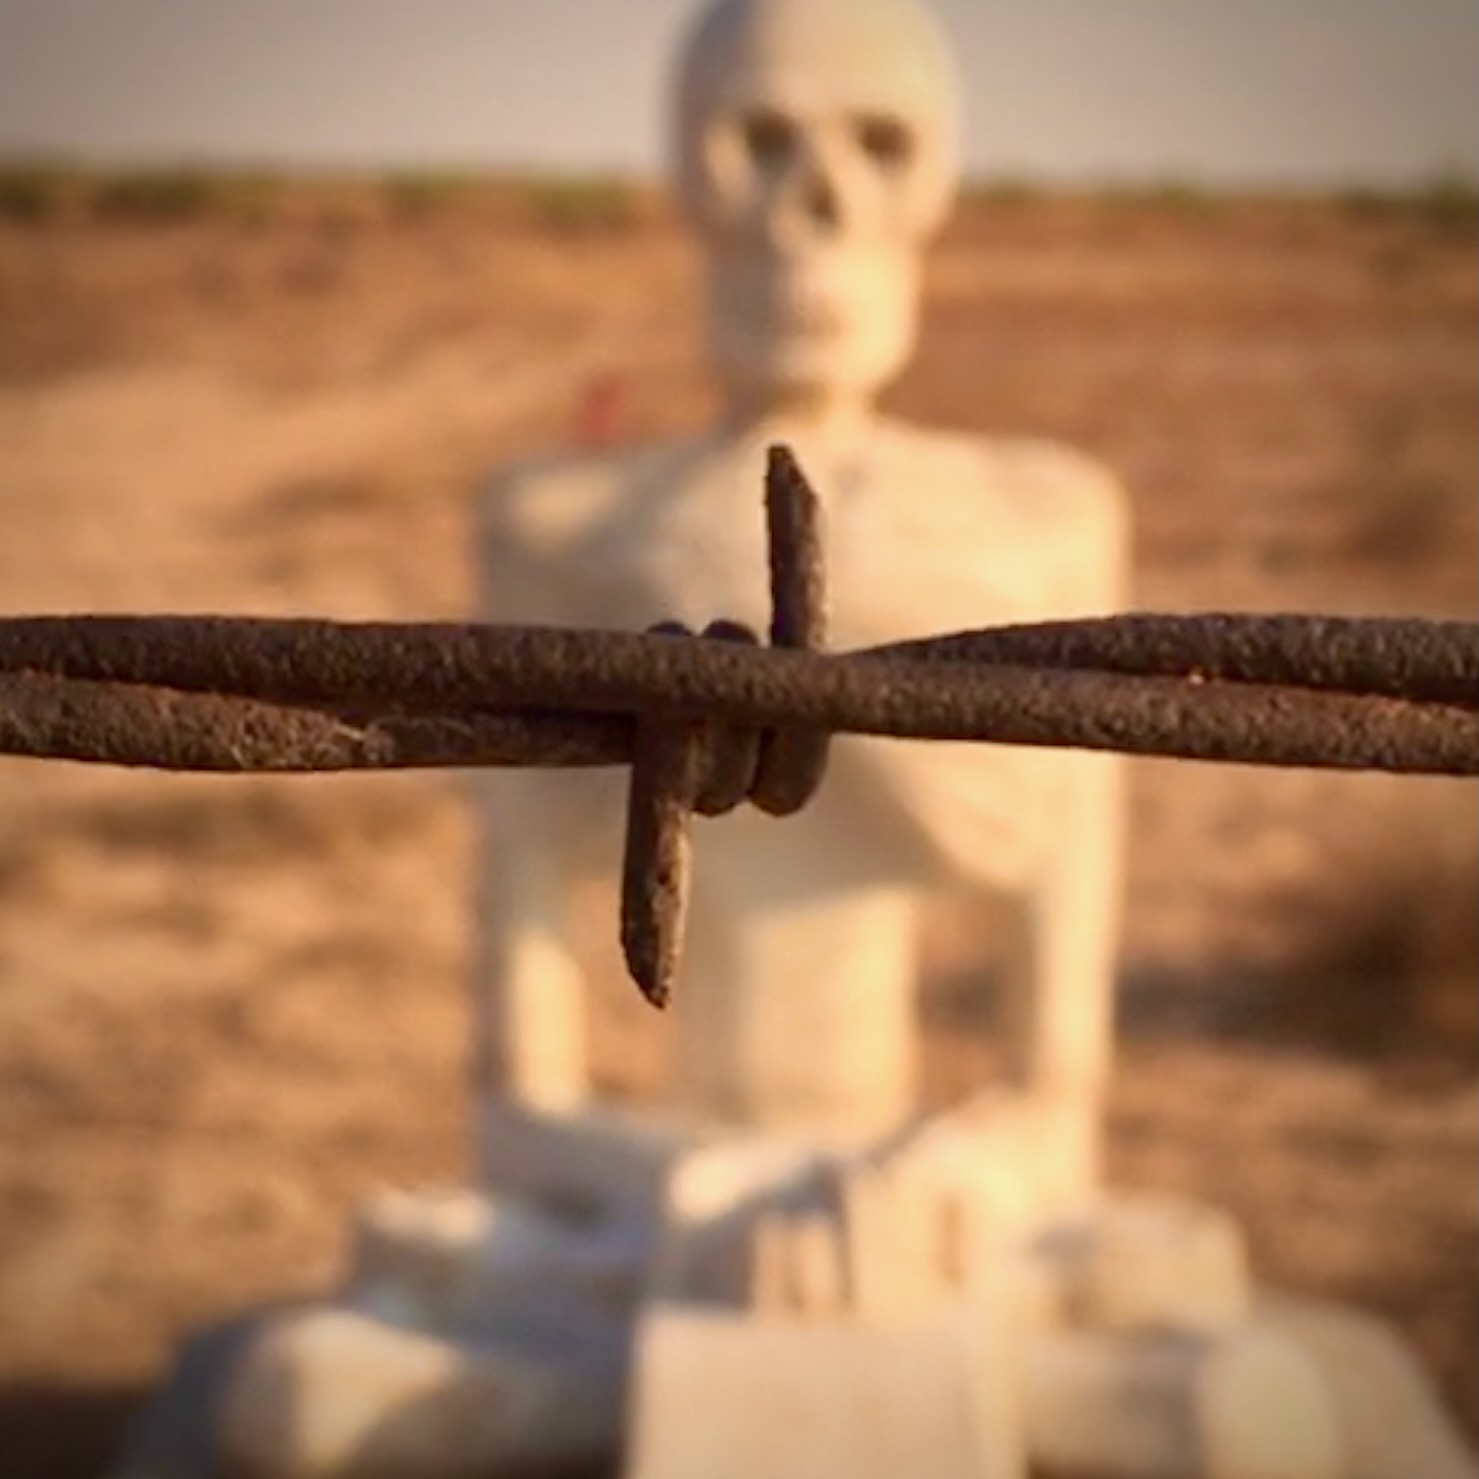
point(770, 138)
point(886, 141)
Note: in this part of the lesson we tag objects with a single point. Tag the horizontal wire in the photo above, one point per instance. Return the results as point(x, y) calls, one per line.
point(222, 693)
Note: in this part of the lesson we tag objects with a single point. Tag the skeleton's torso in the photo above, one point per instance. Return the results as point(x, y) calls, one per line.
point(925, 532)
point(794, 923)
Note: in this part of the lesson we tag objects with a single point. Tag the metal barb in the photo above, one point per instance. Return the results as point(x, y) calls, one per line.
point(793, 761)
point(681, 766)
point(659, 855)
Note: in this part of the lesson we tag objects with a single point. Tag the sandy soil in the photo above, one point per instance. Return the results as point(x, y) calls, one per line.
point(230, 1006)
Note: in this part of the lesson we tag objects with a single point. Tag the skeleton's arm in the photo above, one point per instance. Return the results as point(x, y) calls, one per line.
point(1059, 971)
point(1043, 827)
point(528, 992)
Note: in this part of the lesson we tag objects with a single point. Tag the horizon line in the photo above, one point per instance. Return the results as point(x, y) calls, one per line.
point(452, 168)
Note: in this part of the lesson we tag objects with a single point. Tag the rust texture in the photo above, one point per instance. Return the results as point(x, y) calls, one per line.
point(711, 720)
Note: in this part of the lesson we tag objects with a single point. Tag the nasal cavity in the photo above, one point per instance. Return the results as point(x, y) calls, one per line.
point(820, 200)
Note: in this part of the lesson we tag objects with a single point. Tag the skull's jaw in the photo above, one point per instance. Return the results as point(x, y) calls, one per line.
point(813, 336)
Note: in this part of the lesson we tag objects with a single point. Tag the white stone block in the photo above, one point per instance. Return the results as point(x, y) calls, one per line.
point(1248, 1404)
point(599, 1161)
point(1390, 1418)
point(331, 1394)
point(1149, 1263)
point(710, 1247)
point(723, 1396)
point(1263, 1410)
point(458, 1260)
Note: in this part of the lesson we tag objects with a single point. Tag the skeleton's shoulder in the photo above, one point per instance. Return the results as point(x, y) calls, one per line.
point(1053, 481)
point(542, 503)
point(1031, 471)
point(1057, 492)
point(1079, 511)
point(1049, 508)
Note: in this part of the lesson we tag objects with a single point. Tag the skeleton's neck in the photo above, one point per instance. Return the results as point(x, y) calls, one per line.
point(812, 416)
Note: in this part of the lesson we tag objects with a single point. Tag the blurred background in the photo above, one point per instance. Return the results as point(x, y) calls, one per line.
point(280, 283)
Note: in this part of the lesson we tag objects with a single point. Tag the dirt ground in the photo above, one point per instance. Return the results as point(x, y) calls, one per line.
point(228, 1007)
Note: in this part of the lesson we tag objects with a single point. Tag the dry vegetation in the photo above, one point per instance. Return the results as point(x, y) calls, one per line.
point(227, 1007)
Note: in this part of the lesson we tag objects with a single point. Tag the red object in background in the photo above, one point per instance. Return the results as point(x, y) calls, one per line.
point(600, 413)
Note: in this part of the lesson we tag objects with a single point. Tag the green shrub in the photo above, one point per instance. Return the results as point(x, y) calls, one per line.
point(582, 204)
point(1369, 202)
point(31, 192)
point(1173, 193)
point(155, 195)
point(1450, 199)
point(1004, 190)
point(250, 197)
point(426, 192)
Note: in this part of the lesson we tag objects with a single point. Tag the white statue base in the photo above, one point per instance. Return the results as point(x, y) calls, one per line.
point(665, 1303)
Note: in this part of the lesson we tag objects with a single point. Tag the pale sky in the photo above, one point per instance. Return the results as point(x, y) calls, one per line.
point(1226, 91)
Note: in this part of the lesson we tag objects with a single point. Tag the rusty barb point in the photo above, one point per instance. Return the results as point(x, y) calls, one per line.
point(679, 767)
point(711, 720)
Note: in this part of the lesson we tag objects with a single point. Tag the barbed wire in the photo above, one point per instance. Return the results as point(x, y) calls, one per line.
point(707, 721)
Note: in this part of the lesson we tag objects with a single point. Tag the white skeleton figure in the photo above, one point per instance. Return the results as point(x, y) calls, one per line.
point(814, 153)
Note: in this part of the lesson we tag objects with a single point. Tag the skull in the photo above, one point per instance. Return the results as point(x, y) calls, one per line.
point(815, 153)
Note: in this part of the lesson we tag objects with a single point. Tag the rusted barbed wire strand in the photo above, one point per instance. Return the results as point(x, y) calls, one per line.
point(252, 694)
point(293, 695)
